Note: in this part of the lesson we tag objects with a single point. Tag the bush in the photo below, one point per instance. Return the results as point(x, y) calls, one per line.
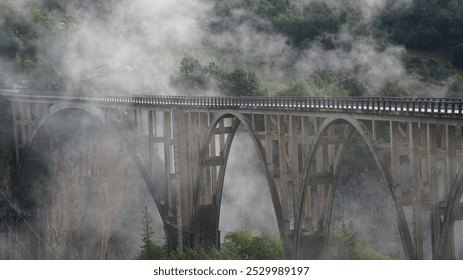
point(346, 245)
point(249, 247)
point(238, 245)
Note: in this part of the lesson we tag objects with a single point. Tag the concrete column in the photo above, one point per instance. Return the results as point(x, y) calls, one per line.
point(416, 188)
point(433, 187)
point(395, 158)
point(283, 172)
point(451, 173)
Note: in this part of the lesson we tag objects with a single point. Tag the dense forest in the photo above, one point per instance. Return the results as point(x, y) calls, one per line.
point(240, 47)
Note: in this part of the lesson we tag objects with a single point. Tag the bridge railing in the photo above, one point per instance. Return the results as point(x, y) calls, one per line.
point(389, 105)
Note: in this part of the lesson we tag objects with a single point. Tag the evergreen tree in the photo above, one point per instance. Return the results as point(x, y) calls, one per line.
point(149, 250)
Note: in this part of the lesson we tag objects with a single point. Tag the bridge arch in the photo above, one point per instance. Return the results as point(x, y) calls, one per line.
point(197, 220)
point(117, 128)
point(91, 110)
point(362, 129)
point(453, 204)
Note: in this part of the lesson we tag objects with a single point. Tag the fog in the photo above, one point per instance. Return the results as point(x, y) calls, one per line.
point(137, 45)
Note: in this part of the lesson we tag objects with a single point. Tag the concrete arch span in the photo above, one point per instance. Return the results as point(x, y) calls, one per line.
point(205, 218)
point(354, 126)
point(116, 127)
point(453, 203)
point(52, 111)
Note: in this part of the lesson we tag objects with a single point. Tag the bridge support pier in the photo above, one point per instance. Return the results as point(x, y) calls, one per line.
point(209, 235)
point(312, 247)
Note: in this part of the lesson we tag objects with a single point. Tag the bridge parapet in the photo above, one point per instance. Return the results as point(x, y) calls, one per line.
point(419, 107)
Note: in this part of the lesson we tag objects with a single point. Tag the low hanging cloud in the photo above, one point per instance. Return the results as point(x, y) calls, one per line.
point(137, 43)
point(137, 46)
point(362, 57)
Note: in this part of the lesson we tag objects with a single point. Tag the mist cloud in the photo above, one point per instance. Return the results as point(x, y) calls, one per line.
point(137, 44)
point(362, 57)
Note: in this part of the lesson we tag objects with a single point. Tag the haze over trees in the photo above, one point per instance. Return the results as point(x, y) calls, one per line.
point(241, 47)
point(393, 48)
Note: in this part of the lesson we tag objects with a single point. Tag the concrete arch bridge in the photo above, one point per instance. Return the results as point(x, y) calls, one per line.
point(300, 141)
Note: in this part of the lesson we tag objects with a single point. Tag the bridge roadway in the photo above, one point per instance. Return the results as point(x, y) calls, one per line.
point(427, 107)
point(181, 145)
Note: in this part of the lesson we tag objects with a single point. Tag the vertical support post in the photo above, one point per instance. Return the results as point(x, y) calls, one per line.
point(269, 144)
point(213, 169)
point(205, 187)
point(151, 120)
point(319, 162)
point(295, 163)
point(395, 158)
point(283, 172)
point(193, 156)
point(167, 135)
point(433, 187)
point(180, 184)
point(307, 212)
point(221, 137)
point(416, 185)
point(451, 173)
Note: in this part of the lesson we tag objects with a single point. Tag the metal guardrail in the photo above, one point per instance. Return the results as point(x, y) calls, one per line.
point(391, 105)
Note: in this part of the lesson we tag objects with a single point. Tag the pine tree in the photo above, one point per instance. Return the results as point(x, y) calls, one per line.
point(149, 250)
point(147, 230)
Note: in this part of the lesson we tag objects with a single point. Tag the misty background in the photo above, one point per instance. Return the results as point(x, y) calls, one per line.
point(207, 47)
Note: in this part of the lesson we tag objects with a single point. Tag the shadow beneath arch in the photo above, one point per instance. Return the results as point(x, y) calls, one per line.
point(319, 241)
point(361, 198)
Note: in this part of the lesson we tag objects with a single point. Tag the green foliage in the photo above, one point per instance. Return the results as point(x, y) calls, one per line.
point(457, 56)
point(354, 86)
point(393, 89)
point(147, 230)
point(196, 78)
point(429, 70)
point(344, 244)
point(201, 254)
point(427, 24)
point(149, 250)
point(456, 85)
point(298, 88)
point(193, 76)
point(152, 252)
point(326, 83)
point(240, 83)
point(249, 247)
point(268, 8)
point(238, 245)
point(17, 37)
point(300, 25)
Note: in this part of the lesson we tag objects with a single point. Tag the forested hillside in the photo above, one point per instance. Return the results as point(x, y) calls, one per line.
point(239, 47)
